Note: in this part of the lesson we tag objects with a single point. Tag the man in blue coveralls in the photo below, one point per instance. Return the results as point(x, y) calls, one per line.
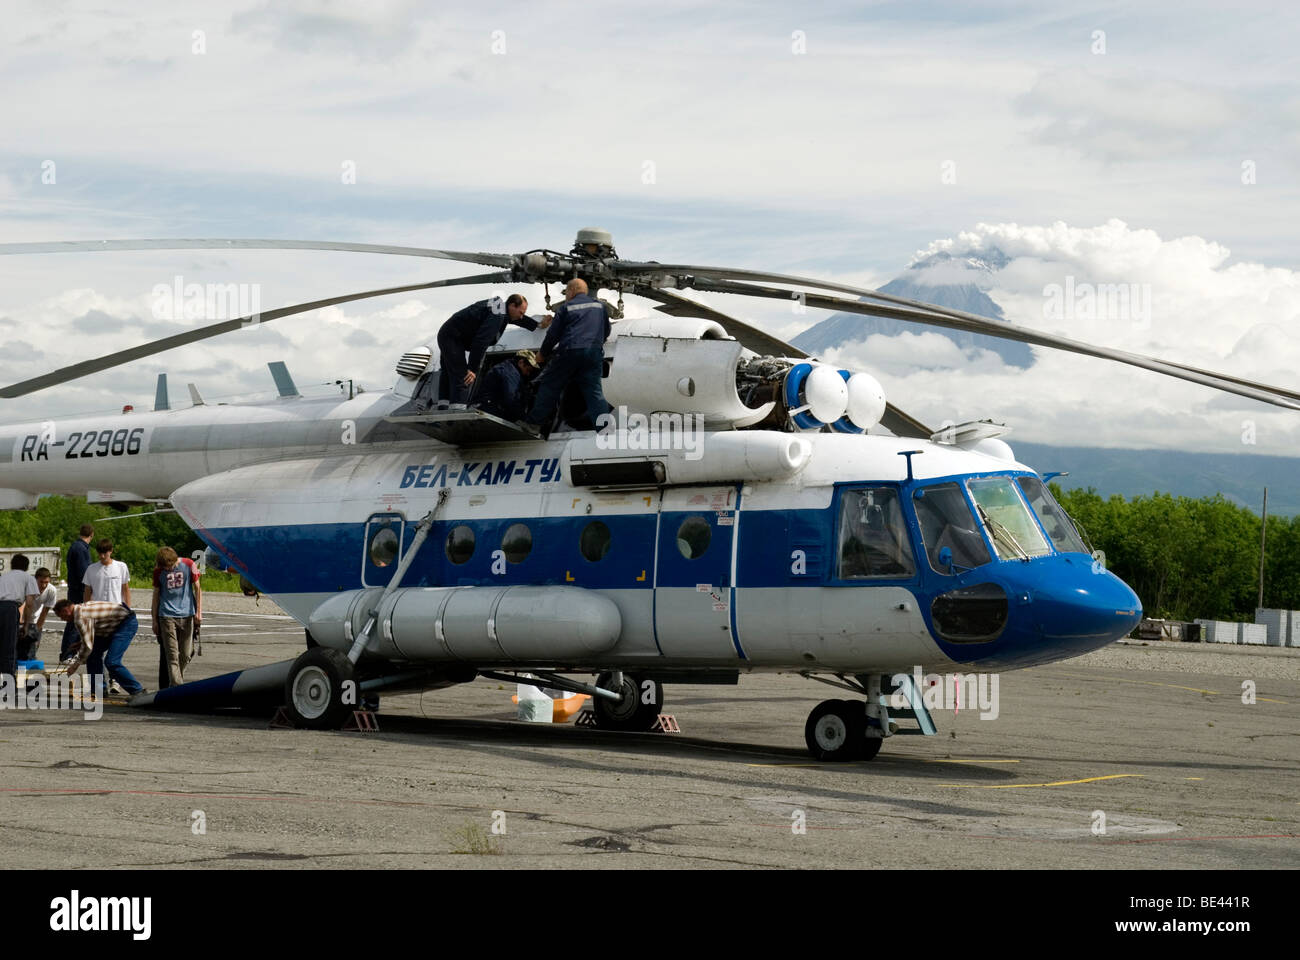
point(573, 352)
point(474, 329)
point(504, 391)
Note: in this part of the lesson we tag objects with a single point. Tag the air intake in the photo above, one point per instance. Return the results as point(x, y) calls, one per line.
point(414, 362)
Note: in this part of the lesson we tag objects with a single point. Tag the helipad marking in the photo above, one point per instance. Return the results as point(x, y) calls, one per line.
point(1055, 783)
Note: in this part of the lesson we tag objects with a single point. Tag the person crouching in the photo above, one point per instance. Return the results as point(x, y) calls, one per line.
point(105, 629)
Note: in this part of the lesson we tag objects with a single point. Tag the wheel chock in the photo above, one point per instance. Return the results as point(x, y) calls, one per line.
point(361, 721)
point(666, 723)
point(281, 720)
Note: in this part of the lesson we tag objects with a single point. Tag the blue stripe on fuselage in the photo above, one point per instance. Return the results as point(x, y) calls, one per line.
point(324, 558)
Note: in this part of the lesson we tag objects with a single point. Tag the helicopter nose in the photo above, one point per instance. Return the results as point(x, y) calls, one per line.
point(1052, 608)
point(1088, 609)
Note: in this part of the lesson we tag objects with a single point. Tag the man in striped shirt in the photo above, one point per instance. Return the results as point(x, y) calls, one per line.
point(106, 630)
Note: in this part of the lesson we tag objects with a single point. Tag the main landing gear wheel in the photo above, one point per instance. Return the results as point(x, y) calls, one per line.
point(837, 731)
point(315, 688)
point(639, 708)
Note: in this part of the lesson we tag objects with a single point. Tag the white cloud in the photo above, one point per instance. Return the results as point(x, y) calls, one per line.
point(1206, 311)
point(1126, 117)
point(812, 164)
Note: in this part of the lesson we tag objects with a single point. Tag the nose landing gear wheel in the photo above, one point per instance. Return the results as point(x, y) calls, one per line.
point(315, 689)
point(641, 703)
point(837, 731)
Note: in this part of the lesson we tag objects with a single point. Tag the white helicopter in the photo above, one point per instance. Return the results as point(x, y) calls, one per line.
point(748, 515)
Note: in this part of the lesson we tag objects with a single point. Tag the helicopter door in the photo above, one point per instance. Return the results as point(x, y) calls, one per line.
point(694, 583)
point(383, 548)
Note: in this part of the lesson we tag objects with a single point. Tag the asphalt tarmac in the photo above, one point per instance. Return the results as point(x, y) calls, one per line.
point(1131, 757)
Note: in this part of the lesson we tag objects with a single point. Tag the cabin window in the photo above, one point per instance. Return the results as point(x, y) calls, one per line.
point(383, 546)
point(1050, 513)
point(594, 542)
point(873, 538)
point(693, 537)
point(517, 542)
point(460, 544)
point(947, 524)
point(1010, 525)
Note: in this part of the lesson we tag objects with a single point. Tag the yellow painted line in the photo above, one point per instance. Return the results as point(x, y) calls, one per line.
point(1150, 683)
point(1154, 683)
point(1055, 783)
point(831, 763)
point(1193, 778)
point(944, 760)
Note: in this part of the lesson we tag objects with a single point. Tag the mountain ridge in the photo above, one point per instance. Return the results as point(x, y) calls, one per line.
point(1240, 477)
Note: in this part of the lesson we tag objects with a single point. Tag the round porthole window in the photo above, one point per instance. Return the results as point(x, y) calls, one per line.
point(383, 546)
point(693, 537)
point(517, 542)
point(460, 544)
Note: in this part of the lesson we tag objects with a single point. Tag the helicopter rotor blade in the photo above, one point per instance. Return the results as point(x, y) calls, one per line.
point(107, 362)
point(989, 327)
point(95, 246)
point(762, 343)
point(969, 322)
point(896, 421)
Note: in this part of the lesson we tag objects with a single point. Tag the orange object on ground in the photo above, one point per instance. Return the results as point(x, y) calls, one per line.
point(565, 708)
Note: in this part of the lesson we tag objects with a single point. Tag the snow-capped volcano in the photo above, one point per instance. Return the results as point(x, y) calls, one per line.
point(951, 280)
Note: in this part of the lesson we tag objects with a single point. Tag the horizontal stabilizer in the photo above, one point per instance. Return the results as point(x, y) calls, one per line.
point(17, 499)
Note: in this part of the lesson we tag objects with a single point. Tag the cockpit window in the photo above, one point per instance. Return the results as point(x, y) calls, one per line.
point(1004, 514)
point(946, 522)
point(873, 535)
point(1053, 518)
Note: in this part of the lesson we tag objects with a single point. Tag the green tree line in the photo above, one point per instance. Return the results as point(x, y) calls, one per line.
point(136, 534)
point(1190, 559)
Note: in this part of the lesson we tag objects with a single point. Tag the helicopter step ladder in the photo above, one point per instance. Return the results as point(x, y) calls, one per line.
point(882, 715)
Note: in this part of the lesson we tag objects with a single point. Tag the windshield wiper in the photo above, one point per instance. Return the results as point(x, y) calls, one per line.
point(998, 529)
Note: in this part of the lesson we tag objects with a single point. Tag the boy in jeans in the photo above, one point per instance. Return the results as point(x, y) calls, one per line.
point(177, 607)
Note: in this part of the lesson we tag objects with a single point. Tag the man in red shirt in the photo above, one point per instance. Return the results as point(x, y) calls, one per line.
point(177, 609)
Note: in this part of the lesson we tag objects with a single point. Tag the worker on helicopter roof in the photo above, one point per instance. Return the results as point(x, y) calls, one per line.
point(573, 352)
point(505, 392)
point(472, 330)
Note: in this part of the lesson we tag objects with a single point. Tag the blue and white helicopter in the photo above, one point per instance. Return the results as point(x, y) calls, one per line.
point(746, 508)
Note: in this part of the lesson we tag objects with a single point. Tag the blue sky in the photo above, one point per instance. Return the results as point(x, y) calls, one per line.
point(835, 140)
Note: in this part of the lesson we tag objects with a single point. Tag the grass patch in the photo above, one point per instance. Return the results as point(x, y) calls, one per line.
point(474, 838)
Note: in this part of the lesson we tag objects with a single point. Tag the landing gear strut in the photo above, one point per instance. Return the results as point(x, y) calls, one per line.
point(637, 708)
